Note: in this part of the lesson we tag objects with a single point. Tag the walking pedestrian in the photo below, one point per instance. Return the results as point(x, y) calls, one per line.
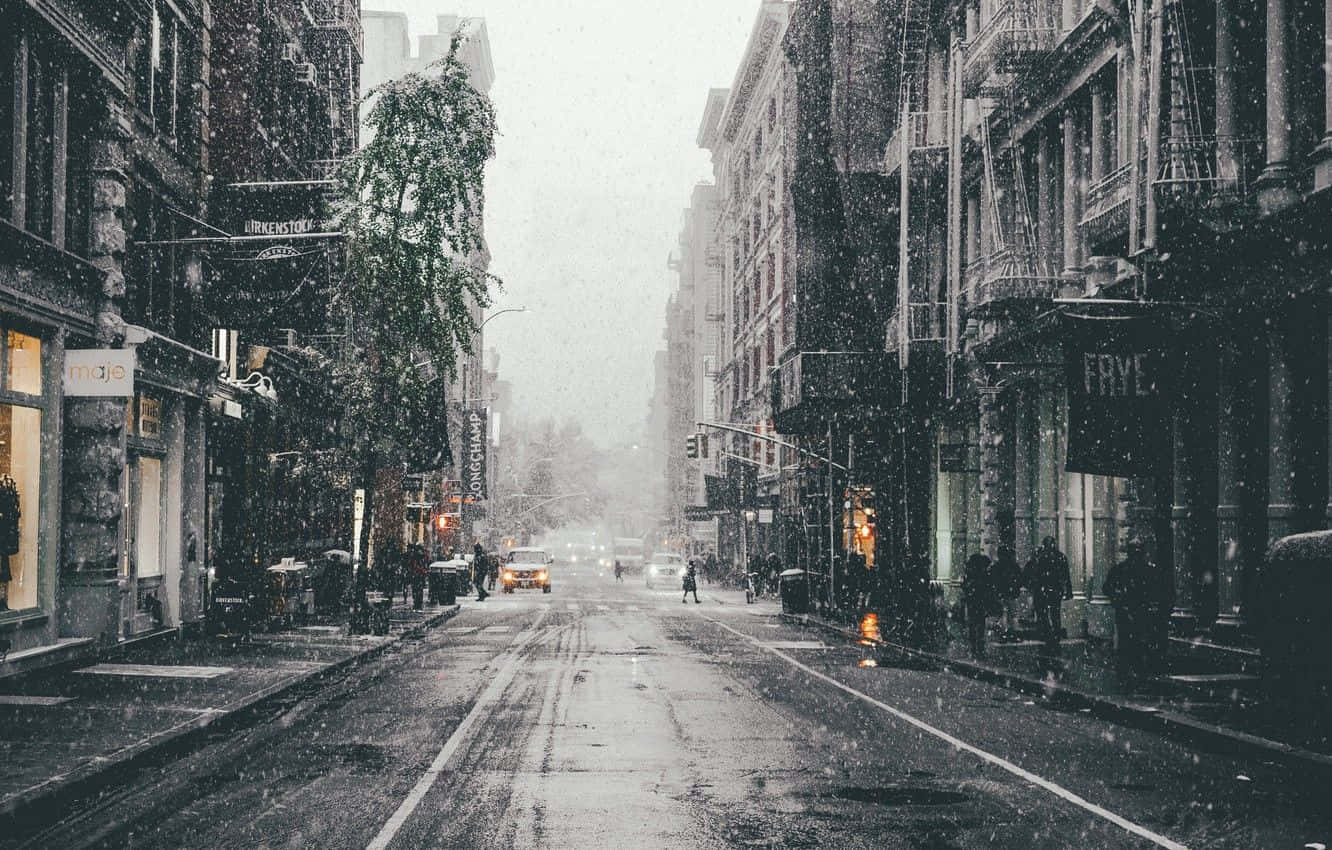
point(1141, 598)
point(977, 599)
point(1050, 582)
point(480, 567)
point(1006, 578)
point(710, 568)
point(690, 582)
point(492, 571)
point(619, 571)
point(417, 571)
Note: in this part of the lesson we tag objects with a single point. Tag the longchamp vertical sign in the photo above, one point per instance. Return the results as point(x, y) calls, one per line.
point(475, 440)
point(1117, 370)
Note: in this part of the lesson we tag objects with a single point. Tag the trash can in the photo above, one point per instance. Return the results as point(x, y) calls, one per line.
point(795, 592)
point(443, 585)
point(380, 605)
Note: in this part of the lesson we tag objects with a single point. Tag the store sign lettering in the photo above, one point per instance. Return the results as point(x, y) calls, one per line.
point(99, 372)
point(474, 457)
point(1113, 375)
point(257, 227)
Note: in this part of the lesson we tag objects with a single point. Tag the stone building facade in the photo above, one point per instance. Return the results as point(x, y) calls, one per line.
point(1039, 161)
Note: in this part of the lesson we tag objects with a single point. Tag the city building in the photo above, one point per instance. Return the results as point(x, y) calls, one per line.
point(981, 191)
point(745, 129)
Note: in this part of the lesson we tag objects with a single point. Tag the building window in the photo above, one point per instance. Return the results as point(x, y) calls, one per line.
point(164, 73)
point(158, 295)
point(20, 468)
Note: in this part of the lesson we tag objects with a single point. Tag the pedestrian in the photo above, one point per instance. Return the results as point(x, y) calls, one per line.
point(1141, 598)
point(977, 600)
point(710, 565)
point(492, 570)
point(1050, 582)
point(417, 571)
point(619, 571)
point(480, 567)
point(1006, 580)
point(690, 582)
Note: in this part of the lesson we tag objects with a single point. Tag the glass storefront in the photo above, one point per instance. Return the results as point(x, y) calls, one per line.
point(20, 469)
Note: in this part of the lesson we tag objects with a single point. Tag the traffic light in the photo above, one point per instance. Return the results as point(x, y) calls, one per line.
point(691, 446)
point(702, 445)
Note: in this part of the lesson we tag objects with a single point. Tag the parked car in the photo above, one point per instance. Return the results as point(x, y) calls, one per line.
point(528, 566)
point(664, 568)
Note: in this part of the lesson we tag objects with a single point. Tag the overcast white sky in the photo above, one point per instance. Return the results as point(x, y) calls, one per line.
point(599, 103)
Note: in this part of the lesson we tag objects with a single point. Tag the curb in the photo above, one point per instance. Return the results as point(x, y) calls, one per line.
point(57, 791)
point(1147, 718)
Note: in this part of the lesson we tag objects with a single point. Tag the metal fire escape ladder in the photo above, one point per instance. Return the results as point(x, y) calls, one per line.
point(911, 99)
point(954, 222)
point(1188, 159)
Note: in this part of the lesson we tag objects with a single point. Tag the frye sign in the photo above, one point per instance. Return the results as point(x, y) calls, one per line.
point(1117, 372)
point(475, 440)
point(105, 372)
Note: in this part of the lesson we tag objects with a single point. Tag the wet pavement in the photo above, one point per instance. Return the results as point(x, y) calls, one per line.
point(608, 715)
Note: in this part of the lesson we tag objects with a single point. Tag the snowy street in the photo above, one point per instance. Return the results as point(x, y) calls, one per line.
point(607, 716)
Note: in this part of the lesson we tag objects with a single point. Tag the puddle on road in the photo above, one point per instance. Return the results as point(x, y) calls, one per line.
point(899, 795)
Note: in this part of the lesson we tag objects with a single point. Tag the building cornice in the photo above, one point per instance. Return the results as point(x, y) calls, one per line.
point(768, 29)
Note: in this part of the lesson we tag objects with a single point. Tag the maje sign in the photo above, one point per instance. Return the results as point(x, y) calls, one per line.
point(99, 372)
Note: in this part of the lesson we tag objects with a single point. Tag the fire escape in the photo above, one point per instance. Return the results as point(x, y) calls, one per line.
point(1206, 164)
point(921, 139)
point(337, 29)
point(1006, 49)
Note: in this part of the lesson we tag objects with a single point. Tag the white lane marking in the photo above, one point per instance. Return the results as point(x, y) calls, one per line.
point(19, 699)
point(508, 668)
point(796, 644)
point(497, 629)
point(603, 607)
point(1040, 782)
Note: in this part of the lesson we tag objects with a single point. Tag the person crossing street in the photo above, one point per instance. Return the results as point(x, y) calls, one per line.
point(480, 569)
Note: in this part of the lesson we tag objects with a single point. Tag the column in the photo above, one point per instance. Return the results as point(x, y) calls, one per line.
point(1276, 185)
point(1323, 153)
point(1044, 197)
point(996, 472)
point(1097, 134)
point(93, 430)
point(1187, 492)
point(1072, 176)
point(1235, 402)
point(1047, 485)
point(1227, 126)
point(1104, 499)
point(1281, 438)
point(973, 487)
point(957, 510)
point(1023, 520)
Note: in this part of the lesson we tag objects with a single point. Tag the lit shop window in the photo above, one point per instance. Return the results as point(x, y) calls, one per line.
point(25, 363)
point(20, 476)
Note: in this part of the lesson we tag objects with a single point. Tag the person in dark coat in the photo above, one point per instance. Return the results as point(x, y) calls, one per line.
point(978, 600)
point(690, 582)
point(417, 572)
point(480, 569)
point(1006, 579)
point(1141, 596)
point(710, 568)
point(1050, 581)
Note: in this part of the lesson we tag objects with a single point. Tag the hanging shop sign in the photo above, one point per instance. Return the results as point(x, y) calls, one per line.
point(274, 275)
point(475, 444)
point(1117, 370)
point(102, 372)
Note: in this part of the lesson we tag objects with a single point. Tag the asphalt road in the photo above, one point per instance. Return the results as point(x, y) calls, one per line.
point(613, 716)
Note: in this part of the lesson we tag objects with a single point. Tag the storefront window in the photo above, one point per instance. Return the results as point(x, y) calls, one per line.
point(20, 478)
point(25, 363)
point(148, 531)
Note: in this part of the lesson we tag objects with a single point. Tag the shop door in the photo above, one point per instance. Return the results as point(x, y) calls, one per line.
point(143, 603)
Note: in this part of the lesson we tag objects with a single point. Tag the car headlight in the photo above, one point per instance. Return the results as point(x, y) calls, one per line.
point(573, 559)
point(542, 575)
point(508, 576)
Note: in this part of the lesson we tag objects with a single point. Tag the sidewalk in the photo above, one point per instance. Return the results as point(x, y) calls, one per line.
point(1208, 698)
point(63, 730)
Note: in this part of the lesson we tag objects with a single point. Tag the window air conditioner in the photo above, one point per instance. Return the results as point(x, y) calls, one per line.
point(305, 72)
